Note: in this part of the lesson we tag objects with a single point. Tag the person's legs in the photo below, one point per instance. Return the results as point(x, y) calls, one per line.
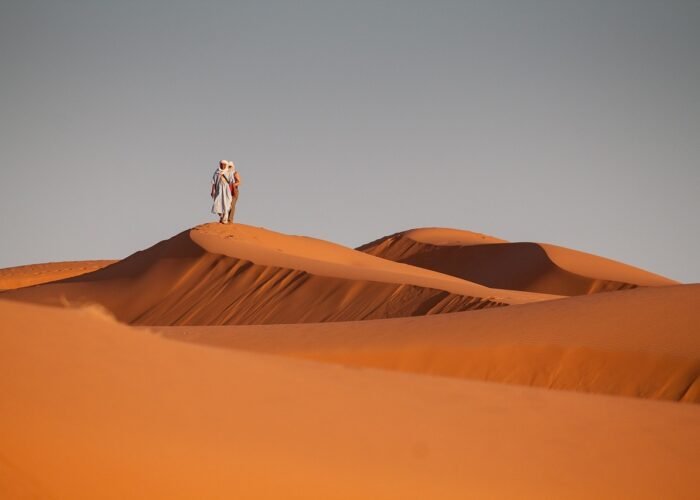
point(234, 199)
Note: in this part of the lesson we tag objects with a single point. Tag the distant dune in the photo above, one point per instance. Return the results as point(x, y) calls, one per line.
point(34, 274)
point(217, 275)
point(94, 409)
point(496, 263)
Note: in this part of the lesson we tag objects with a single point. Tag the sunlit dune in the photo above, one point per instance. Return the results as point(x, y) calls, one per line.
point(642, 342)
point(34, 274)
point(231, 361)
point(235, 274)
point(496, 263)
point(94, 409)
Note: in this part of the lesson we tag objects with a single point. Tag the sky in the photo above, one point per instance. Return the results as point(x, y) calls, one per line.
point(568, 122)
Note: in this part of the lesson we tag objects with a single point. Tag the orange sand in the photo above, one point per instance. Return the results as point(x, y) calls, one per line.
point(93, 409)
point(406, 404)
point(220, 274)
point(21, 276)
point(534, 267)
point(642, 342)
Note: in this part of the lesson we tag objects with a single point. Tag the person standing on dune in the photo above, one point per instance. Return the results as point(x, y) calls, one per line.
point(235, 182)
point(221, 191)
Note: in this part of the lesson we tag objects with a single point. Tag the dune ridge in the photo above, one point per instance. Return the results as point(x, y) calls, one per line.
point(496, 263)
point(642, 342)
point(217, 275)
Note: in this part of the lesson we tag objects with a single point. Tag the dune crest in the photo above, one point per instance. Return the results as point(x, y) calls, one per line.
point(235, 274)
point(496, 263)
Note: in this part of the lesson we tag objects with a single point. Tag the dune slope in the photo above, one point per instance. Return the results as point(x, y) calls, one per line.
point(496, 263)
point(94, 409)
point(643, 342)
point(34, 274)
point(217, 275)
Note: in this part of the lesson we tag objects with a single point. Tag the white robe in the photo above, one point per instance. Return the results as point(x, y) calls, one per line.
point(222, 194)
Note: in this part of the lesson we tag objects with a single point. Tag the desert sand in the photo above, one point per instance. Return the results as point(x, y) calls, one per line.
point(238, 362)
point(643, 342)
point(217, 275)
point(95, 409)
point(493, 262)
point(34, 274)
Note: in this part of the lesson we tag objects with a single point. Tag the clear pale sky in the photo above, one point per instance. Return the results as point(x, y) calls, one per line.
point(570, 122)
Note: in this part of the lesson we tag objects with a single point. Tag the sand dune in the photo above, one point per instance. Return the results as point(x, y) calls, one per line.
point(492, 262)
point(22, 276)
point(218, 274)
point(642, 342)
point(402, 405)
point(94, 409)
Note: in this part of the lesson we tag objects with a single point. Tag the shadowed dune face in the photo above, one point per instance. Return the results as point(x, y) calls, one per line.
point(180, 282)
point(641, 343)
point(523, 266)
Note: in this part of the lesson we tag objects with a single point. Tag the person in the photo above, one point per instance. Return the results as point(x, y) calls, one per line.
point(221, 192)
point(235, 183)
